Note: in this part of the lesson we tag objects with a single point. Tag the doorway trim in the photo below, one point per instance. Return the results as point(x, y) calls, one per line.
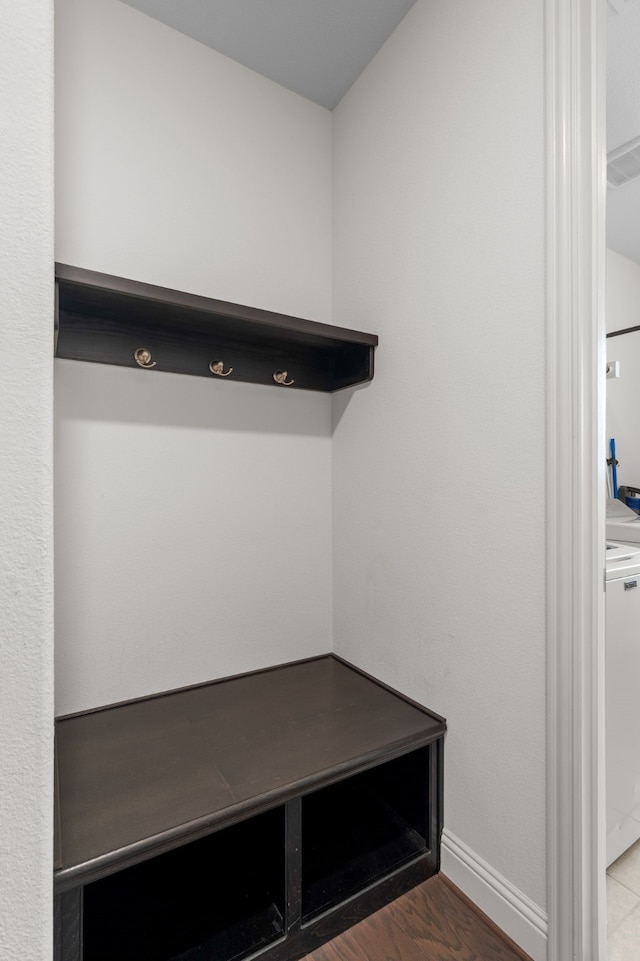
point(575, 258)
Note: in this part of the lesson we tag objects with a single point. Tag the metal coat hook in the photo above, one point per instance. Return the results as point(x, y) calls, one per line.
point(143, 358)
point(280, 377)
point(217, 367)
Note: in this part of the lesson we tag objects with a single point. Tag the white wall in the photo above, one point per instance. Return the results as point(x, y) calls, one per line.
point(623, 393)
point(193, 532)
point(438, 477)
point(26, 620)
point(622, 293)
point(180, 167)
point(193, 517)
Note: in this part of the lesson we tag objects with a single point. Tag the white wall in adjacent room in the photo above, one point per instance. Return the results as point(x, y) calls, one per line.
point(622, 292)
point(26, 547)
point(623, 393)
point(438, 474)
point(193, 516)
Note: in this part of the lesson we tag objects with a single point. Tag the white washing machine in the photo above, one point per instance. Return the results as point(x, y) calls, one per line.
point(622, 705)
point(622, 523)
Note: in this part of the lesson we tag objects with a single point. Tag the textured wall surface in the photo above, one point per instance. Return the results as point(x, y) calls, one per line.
point(439, 514)
point(26, 323)
point(193, 517)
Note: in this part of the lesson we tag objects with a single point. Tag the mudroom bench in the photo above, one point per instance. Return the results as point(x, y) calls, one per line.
point(256, 816)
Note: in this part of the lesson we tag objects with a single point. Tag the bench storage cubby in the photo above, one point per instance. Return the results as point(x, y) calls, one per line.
point(256, 816)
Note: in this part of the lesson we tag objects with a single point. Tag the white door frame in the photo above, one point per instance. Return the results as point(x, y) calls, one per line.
point(576, 476)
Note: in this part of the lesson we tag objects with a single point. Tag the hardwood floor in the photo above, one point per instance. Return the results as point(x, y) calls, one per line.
point(433, 922)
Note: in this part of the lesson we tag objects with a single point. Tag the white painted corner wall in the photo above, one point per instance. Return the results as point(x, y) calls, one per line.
point(193, 518)
point(416, 210)
point(438, 467)
point(26, 491)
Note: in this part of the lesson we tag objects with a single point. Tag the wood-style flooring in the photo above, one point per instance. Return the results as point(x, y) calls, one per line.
point(433, 922)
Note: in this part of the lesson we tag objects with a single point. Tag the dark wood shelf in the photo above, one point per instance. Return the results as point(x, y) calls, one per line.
point(106, 319)
point(261, 813)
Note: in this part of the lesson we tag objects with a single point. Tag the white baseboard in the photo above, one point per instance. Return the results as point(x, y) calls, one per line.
point(522, 920)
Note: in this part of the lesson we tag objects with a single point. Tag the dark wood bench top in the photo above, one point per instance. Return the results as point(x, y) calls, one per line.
point(143, 776)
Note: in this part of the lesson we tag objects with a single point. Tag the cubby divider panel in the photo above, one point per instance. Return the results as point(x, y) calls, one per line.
point(361, 829)
point(221, 897)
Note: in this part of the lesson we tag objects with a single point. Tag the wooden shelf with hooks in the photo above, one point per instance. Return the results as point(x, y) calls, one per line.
point(113, 320)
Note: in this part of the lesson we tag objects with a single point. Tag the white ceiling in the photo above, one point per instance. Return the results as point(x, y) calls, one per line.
point(623, 121)
point(315, 47)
